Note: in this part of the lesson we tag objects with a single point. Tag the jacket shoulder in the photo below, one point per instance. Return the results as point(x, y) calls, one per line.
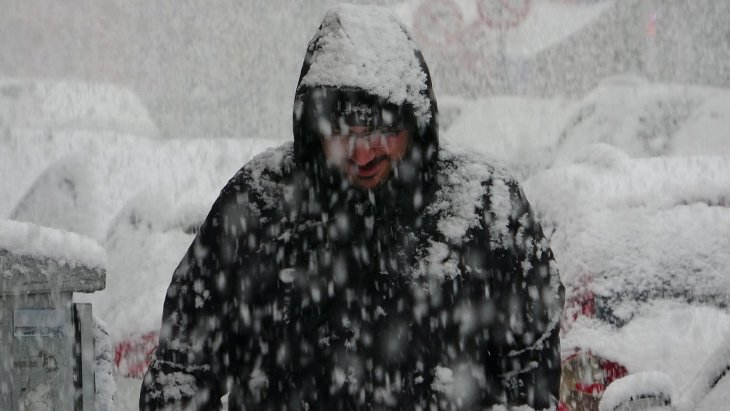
point(263, 175)
point(466, 182)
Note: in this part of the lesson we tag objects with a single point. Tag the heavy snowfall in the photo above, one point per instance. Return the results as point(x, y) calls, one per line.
point(120, 123)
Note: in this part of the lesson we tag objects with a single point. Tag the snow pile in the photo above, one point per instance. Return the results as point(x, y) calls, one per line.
point(714, 400)
point(368, 48)
point(648, 252)
point(716, 367)
point(636, 387)
point(26, 153)
point(640, 224)
point(141, 261)
point(31, 240)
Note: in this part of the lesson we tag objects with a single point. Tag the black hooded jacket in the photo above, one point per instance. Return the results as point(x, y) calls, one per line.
point(436, 290)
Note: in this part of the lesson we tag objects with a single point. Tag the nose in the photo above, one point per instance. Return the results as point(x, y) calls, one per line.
point(362, 153)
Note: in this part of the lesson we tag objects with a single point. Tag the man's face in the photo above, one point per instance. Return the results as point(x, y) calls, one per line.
point(365, 156)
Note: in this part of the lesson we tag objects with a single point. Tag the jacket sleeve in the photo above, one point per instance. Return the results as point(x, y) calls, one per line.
point(188, 369)
point(529, 297)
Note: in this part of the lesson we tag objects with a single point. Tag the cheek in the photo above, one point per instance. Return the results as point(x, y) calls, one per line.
point(398, 148)
point(335, 153)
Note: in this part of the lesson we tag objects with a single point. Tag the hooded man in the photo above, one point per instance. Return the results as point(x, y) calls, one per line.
point(361, 266)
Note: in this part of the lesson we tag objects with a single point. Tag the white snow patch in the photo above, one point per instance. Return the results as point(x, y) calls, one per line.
point(634, 387)
point(443, 380)
point(258, 380)
point(659, 330)
point(367, 47)
point(716, 366)
point(461, 194)
point(42, 242)
point(177, 385)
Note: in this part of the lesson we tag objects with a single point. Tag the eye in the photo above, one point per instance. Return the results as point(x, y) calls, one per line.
point(337, 135)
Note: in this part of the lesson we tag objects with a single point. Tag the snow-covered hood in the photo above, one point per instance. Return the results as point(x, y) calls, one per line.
point(367, 49)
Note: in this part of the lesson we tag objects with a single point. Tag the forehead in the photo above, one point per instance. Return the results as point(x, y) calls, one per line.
point(344, 107)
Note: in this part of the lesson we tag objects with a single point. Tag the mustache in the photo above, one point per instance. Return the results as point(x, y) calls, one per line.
point(372, 163)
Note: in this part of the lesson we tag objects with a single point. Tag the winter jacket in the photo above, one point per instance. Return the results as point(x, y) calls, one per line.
point(437, 290)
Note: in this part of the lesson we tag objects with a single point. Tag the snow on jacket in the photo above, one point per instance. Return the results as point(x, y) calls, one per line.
point(437, 290)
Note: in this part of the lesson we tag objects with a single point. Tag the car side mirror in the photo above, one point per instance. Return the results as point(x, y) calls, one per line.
point(643, 391)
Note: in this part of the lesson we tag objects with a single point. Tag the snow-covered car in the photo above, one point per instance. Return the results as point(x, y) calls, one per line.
point(640, 118)
point(637, 201)
point(646, 264)
point(148, 238)
point(656, 391)
point(41, 121)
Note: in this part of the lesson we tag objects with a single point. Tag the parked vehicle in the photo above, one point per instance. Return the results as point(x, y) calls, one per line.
point(637, 201)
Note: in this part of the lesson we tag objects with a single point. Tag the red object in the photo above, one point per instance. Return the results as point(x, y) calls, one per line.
point(611, 372)
point(585, 375)
point(132, 356)
point(594, 388)
point(585, 378)
point(580, 302)
point(587, 303)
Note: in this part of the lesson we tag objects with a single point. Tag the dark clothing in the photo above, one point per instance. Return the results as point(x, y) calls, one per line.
point(285, 305)
point(435, 290)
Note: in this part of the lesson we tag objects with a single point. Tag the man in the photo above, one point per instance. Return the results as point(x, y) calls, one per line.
point(362, 266)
